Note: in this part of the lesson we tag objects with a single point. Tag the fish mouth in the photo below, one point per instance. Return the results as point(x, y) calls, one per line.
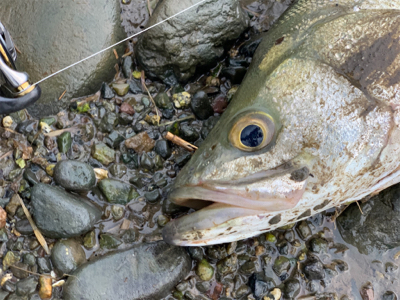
point(225, 210)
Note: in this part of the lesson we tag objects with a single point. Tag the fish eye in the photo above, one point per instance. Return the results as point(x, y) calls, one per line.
point(252, 131)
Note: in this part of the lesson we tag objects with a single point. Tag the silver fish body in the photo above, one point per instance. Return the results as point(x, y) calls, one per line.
point(324, 91)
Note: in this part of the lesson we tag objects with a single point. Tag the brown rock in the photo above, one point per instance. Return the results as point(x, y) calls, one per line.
point(13, 205)
point(367, 292)
point(45, 289)
point(127, 108)
point(140, 142)
point(219, 104)
point(3, 218)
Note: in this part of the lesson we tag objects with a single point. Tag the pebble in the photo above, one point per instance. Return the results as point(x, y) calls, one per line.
point(64, 142)
point(204, 270)
point(201, 106)
point(7, 122)
point(281, 266)
point(313, 268)
point(140, 143)
point(109, 241)
point(389, 296)
point(260, 284)
point(121, 89)
point(127, 108)
point(45, 288)
point(291, 288)
point(103, 154)
point(181, 100)
point(117, 192)
point(67, 255)
point(89, 240)
point(106, 91)
point(74, 175)
point(26, 286)
point(59, 214)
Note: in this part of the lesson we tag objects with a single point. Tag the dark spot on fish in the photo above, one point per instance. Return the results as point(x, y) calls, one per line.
point(321, 206)
point(232, 232)
point(292, 220)
point(275, 220)
point(279, 41)
point(229, 228)
point(221, 234)
point(300, 174)
point(311, 175)
point(213, 147)
point(305, 214)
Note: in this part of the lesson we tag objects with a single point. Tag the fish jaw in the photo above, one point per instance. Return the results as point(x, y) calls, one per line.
point(214, 224)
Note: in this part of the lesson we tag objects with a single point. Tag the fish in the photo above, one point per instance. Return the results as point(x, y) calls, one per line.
point(315, 124)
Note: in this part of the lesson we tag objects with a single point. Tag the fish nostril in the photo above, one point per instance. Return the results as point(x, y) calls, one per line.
point(213, 147)
point(300, 174)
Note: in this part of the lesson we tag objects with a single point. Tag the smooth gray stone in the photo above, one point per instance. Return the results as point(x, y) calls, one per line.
point(54, 34)
point(147, 271)
point(59, 214)
point(67, 255)
point(74, 175)
point(191, 40)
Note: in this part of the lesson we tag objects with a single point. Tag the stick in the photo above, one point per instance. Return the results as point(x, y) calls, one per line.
point(6, 154)
point(359, 207)
point(36, 231)
point(116, 54)
point(180, 142)
point(177, 120)
point(142, 79)
point(62, 95)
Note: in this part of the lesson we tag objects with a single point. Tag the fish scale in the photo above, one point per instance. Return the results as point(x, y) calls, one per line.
point(327, 75)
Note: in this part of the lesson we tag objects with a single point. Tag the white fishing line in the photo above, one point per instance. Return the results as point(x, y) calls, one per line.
point(124, 40)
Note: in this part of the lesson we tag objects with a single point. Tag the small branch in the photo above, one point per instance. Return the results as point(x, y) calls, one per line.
point(149, 8)
point(180, 142)
point(115, 53)
point(62, 95)
point(177, 120)
point(142, 79)
point(6, 155)
point(359, 207)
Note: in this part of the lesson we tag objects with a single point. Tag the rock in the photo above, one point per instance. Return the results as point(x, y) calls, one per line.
point(89, 241)
point(153, 196)
point(45, 288)
point(291, 288)
point(188, 133)
point(26, 286)
point(389, 296)
point(121, 89)
point(227, 265)
point(67, 255)
point(303, 230)
point(74, 175)
point(118, 170)
point(116, 191)
point(59, 214)
point(127, 275)
point(204, 270)
point(64, 142)
point(319, 245)
point(162, 101)
point(103, 154)
point(140, 142)
point(181, 100)
point(108, 241)
point(201, 106)
point(106, 91)
point(135, 86)
point(127, 108)
point(196, 253)
point(378, 228)
point(71, 37)
point(127, 66)
point(313, 268)
point(367, 292)
point(281, 266)
point(10, 259)
point(19, 270)
point(161, 51)
point(260, 284)
point(163, 149)
point(44, 265)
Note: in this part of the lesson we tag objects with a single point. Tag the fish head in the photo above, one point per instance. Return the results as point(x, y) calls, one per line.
point(299, 136)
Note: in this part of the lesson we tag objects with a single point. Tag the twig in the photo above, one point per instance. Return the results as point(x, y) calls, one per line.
point(180, 142)
point(36, 231)
point(177, 120)
point(142, 79)
point(62, 95)
point(252, 12)
point(6, 154)
point(30, 272)
point(359, 207)
point(58, 132)
point(115, 53)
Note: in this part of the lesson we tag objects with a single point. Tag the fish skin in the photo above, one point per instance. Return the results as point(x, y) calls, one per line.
point(328, 74)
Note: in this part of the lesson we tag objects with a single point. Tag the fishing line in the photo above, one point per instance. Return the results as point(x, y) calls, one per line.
point(124, 40)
